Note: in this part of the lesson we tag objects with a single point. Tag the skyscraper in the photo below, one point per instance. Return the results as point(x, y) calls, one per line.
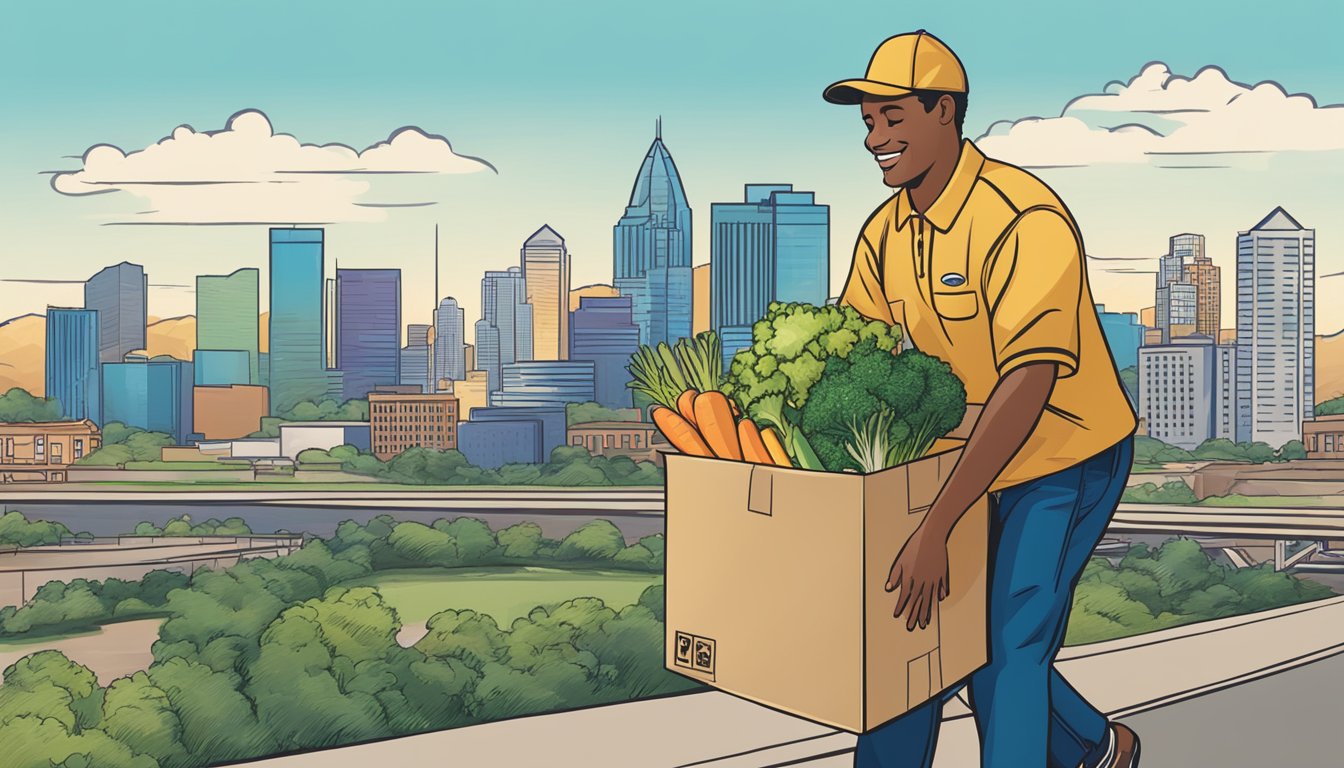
point(1206, 278)
point(118, 295)
point(504, 332)
point(297, 347)
point(1276, 329)
point(774, 246)
point(546, 270)
point(368, 329)
point(449, 349)
point(154, 395)
point(603, 332)
point(416, 363)
point(228, 315)
point(1177, 298)
point(72, 362)
point(1187, 390)
point(652, 249)
point(1124, 335)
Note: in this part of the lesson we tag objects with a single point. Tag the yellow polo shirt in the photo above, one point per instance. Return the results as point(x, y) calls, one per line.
point(990, 278)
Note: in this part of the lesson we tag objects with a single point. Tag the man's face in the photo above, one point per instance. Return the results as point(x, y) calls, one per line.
point(903, 137)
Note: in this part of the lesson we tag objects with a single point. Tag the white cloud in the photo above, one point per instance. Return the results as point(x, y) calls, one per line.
point(248, 173)
point(1157, 117)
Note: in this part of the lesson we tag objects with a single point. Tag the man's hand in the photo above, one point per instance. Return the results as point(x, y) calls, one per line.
point(920, 572)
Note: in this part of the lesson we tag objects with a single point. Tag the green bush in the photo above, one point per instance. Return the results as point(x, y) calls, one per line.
point(1176, 583)
point(17, 405)
point(1173, 492)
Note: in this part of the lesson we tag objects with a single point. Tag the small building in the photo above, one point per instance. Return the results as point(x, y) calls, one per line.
point(638, 440)
point(41, 451)
point(401, 421)
point(298, 436)
point(553, 424)
point(1323, 437)
point(492, 444)
point(229, 412)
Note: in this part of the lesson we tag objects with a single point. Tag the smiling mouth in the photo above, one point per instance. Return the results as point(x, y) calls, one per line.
point(887, 161)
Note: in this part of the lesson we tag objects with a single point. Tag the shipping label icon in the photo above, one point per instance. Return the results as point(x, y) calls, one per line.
point(695, 653)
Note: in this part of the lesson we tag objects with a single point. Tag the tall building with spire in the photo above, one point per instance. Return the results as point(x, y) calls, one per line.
point(652, 249)
point(449, 346)
point(1276, 329)
point(546, 269)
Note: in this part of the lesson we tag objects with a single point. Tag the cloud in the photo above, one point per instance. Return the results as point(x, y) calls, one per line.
point(38, 281)
point(1158, 117)
point(247, 173)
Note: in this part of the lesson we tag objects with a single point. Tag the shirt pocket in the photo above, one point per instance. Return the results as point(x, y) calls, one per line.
point(957, 305)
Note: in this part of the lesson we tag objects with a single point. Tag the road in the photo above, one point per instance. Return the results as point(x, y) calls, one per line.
point(1289, 719)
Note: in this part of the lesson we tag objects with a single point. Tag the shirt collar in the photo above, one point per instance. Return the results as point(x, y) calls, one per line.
point(943, 213)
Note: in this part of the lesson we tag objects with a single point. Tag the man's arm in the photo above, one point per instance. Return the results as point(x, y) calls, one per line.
point(1033, 288)
point(1008, 418)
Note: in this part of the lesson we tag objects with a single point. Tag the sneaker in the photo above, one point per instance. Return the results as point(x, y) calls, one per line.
point(1122, 749)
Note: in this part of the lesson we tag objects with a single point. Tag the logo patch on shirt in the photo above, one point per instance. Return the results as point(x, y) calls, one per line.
point(953, 280)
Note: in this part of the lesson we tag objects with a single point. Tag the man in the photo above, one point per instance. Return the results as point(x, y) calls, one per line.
point(983, 266)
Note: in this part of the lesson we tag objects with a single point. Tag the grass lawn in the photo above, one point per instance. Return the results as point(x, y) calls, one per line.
point(504, 592)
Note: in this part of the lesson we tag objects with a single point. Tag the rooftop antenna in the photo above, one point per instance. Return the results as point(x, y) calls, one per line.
point(436, 265)
point(658, 129)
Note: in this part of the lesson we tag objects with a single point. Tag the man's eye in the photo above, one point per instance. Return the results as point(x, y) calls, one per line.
point(891, 122)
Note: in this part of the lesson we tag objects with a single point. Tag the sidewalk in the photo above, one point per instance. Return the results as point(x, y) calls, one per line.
point(717, 730)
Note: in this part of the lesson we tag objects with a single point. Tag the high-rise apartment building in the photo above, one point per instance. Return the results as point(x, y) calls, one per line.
point(546, 268)
point(228, 316)
point(119, 295)
point(298, 349)
point(368, 329)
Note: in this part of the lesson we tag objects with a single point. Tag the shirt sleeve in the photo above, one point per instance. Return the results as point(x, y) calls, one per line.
point(863, 289)
point(1034, 285)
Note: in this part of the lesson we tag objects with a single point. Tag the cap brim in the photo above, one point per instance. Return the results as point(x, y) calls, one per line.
point(853, 91)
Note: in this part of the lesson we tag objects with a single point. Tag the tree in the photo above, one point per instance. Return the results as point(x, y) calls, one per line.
point(1293, 450)
point(17, 531)
point(17, 405)
point(585, 413)
point(138, 713)
point(1331, 407)
point(598, 540)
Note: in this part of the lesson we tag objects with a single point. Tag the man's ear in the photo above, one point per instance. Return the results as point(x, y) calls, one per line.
point(947, 109)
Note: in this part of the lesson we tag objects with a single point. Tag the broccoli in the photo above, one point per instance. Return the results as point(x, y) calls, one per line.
point(791, 345)
point(925, 398)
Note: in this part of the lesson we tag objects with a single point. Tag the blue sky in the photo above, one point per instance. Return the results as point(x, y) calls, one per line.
point(562, 99)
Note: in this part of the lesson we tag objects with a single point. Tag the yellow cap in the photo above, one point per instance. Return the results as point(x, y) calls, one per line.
point(916, 61)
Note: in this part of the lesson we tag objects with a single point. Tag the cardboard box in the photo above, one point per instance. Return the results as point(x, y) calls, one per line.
point(776, 587)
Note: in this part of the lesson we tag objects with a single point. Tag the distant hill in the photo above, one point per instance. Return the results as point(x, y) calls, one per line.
point(22, 353)
point(173, 336)
point(596, 290)
point(1329, 366)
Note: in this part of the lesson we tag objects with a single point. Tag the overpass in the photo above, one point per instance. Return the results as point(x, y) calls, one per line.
point(24, 570)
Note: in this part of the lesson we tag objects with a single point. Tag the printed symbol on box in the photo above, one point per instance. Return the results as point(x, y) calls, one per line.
point(683, 655)
point(704, 655)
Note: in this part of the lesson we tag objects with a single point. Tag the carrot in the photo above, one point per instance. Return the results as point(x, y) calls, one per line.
point(753, 448)
point(685, 405)
point(737, 412)
point(679, 432)
point(714, 419)
point(776, 447)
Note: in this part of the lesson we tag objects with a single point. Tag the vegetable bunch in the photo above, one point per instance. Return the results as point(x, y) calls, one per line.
point(664, 373)
point(773, 378)
point(705, 424)
point(872, 409)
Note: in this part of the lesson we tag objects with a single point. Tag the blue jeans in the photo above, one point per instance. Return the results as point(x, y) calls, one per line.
point(1041, 535)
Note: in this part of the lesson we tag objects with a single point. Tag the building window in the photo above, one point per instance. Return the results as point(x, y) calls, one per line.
point(40, 446)
point(79, 448)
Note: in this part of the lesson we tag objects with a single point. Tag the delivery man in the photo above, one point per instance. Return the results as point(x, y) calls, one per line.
point(982, 264)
